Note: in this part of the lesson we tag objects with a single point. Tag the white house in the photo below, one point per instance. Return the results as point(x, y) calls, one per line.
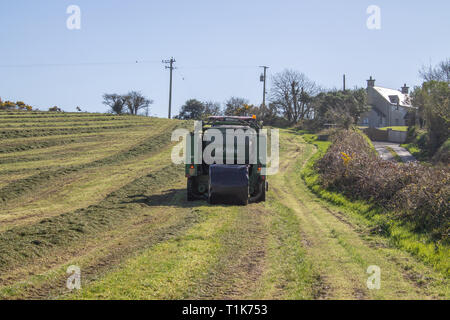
point(389, 107)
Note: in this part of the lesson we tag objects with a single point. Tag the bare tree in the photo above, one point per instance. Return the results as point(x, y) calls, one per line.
point(212, 108)
point(439, 73)
point(292, 94)
point(115, 101)
point(135, 101)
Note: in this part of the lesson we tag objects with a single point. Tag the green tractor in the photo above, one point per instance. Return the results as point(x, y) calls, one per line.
point(234, 171)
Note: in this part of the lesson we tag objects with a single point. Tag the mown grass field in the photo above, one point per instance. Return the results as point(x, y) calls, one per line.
point(100, 192)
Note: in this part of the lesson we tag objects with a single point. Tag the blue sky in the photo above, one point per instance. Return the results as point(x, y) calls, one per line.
point(218, 46)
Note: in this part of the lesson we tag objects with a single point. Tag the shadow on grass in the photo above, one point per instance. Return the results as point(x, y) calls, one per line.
point(169, 198)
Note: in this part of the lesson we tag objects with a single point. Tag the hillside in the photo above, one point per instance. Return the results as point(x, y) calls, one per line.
point(100, 192)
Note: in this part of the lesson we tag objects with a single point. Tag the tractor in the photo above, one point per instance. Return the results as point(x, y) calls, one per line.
point(234, 172)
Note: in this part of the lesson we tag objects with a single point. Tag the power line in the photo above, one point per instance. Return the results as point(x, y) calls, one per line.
point(220, 67)
point(170, 67)
point(80, 64)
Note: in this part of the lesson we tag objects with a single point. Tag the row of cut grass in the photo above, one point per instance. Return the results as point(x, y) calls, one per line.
point(79, 189)
point(63, 125)
point(74, 145)
point(74, 150)
point(43, 142)
point(25, 243)
point(36, 132)
point(63, 156)
point(40, 120)
point(170, 269)
point(46, 114)
point(96, 254)
point(151, 145)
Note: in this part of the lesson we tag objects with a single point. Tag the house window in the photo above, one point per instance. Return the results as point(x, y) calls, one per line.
point(365, 121)
point(394, 99)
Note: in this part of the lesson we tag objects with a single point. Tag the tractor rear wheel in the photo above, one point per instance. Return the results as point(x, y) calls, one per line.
point(262, 185)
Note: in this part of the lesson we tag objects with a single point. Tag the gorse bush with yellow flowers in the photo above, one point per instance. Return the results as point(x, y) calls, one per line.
point(19, 105)
point(416, 194)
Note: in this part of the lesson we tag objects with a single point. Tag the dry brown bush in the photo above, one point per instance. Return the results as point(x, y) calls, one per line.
point(416, 193)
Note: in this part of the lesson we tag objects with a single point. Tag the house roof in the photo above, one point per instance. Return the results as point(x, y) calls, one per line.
point(391, 95)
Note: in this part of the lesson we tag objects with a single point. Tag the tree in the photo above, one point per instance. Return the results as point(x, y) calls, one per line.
point(268, 113)
point(194, 109)
point(191, 110)
point(115, 101)
point(236, 106)
point(433, 102)
point(356, 103)
point(342, 108)
point(292, 94)
point(439, 73)
point(55, 109)
point(212, 109)
point(135, 101)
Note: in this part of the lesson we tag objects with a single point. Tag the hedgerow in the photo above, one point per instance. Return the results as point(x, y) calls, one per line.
point(416, 194)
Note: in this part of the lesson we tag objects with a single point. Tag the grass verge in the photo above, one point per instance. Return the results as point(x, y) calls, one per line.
point(416, 151)
point(396, 128)
point(394, 154)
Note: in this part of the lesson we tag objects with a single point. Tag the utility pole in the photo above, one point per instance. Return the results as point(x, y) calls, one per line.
point(344, 82)
point(263, 79)
point(170, 67)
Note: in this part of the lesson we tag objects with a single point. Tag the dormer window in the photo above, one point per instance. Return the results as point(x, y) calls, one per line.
point(394, 99)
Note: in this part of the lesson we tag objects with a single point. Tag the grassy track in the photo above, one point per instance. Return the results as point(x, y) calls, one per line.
point(111, 202)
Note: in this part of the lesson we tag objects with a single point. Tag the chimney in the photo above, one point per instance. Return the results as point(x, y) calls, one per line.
point(371, 82)
point(405, 89)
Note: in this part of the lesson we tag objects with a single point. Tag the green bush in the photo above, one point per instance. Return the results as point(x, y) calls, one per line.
point(433, 102)
point(417, 143)
point(443, 154)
